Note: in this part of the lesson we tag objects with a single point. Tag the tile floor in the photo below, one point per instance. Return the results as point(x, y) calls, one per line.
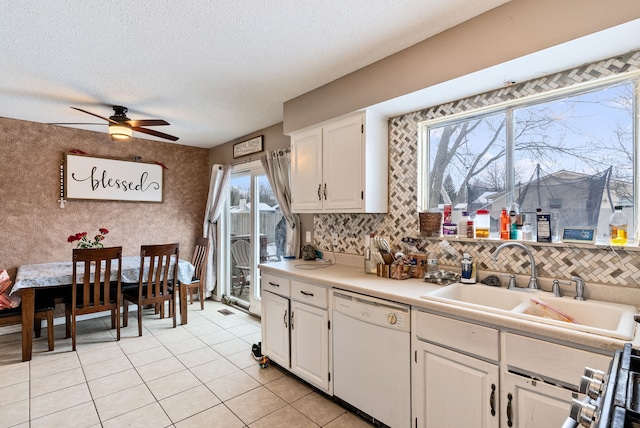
point(198, 375)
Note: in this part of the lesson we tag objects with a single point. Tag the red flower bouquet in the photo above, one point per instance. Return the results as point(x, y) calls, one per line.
point(84, 242)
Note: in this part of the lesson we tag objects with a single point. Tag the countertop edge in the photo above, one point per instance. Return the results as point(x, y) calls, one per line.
point(353, 278)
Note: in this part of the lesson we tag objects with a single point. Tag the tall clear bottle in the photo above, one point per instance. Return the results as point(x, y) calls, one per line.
point(618, 224)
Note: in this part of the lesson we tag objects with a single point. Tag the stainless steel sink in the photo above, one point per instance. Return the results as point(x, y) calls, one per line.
point(596, 317)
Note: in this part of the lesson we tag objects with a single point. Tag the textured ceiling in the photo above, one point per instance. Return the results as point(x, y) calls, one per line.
point(216, 70)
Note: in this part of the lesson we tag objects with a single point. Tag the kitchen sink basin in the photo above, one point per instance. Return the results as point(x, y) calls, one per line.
point(478, 295)
point(591, 316)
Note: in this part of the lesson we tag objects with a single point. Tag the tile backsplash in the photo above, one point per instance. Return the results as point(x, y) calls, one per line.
point(593, 264)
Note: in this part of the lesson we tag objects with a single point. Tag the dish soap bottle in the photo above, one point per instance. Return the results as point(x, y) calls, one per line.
point(618, 227)
point(468, 275)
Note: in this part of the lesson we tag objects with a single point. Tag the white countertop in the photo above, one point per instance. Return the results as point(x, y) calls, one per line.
point(353, 278)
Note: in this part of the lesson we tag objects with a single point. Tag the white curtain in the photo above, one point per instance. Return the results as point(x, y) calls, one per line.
point(277, 167)
point(218, 192)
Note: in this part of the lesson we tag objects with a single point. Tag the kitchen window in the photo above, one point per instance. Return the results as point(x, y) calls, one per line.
point(572, 152)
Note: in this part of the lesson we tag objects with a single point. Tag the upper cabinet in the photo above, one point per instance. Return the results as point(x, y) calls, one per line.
point(341, 166)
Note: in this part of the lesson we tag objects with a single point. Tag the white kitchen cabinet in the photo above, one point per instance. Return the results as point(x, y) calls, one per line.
point(275, 328)
point(451, 389)
point(541, 379)
point(529, 403)
point(275, 318)
point(341, 166)
point(295, 328)
point(310, 344)
point(468, 374)
point(454, 390)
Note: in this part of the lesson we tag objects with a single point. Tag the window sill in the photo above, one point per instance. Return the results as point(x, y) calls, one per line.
point(633, 245)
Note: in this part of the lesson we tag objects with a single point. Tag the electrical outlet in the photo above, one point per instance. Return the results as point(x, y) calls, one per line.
point(308, 237)
point(334, 239)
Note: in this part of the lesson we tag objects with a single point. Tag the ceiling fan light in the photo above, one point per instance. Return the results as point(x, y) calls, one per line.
point(120, 132)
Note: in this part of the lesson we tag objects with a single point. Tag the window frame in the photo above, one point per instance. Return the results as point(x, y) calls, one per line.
point(508, 107)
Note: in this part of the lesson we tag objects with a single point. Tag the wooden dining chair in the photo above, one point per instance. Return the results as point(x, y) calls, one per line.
point(158, 271)
point(44, 308)
point(96, 291)
point(199, 261)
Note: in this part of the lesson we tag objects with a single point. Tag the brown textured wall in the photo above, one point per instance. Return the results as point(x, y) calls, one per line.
point(33, 228)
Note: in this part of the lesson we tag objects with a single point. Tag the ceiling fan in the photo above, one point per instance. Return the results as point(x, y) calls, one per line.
point(121, 127)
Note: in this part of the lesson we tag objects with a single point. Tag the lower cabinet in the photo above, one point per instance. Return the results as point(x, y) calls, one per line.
point(310, 344)
point(471, 375)
point(454, 390)
point(295, 328)
point(529, 403)
point(275, 328)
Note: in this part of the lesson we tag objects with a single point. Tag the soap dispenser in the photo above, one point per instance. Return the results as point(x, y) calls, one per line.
point(468, 275)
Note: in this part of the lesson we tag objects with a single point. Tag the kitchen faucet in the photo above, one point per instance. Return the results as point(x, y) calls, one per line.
point(533, 281)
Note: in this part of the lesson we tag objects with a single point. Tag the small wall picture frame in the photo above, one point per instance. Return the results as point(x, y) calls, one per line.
point(248, 147)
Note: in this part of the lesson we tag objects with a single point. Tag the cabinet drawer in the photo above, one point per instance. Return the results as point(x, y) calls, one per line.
point(315, 295)
point(276, 284)
point(550, 360)
point(460, 335)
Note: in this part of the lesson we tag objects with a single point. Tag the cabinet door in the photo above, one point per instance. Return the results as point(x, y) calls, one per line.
point(306, 171)
point(310, 344)
point(275, 328)
point(532, 404)
point(342, 165)
point(453, 390)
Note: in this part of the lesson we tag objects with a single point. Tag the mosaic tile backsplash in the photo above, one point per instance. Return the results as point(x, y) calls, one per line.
point(600, 265)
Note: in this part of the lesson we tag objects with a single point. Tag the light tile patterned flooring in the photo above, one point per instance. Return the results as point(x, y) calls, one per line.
point(198, 375)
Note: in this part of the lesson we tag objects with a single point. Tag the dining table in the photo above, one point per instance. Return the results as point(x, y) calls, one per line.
point(60, 274)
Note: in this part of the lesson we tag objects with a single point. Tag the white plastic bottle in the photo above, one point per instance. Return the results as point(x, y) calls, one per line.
point(618, 224)
point(462, 225)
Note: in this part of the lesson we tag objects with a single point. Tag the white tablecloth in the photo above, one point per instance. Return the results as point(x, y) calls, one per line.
point(61, 273)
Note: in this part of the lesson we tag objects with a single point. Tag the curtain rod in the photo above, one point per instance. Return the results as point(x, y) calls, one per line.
point(281, 151)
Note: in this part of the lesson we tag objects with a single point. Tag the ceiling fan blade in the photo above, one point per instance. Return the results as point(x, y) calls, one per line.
point(155, 133)
point(96, 115)
point(73, 123)
point(147, 122)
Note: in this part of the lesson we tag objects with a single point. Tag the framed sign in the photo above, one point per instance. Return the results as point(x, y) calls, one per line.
point(248, 147)
point(107, 179)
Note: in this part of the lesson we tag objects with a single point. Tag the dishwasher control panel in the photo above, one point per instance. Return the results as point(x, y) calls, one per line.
point(376, 311)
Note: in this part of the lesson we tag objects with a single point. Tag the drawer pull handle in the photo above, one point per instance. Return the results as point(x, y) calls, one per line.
point(492, 400)
point(291, 320)
point(319, 188)
point(306, 294)
point(325, 191)
point(285, 319)
point(509, 412)
point(274, 284)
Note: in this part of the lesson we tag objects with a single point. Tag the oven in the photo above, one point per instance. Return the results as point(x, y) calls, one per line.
point(613, 398)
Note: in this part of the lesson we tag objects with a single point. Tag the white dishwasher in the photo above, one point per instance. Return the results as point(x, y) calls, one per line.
point(372, 356)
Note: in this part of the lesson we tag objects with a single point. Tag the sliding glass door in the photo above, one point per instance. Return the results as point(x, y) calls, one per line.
point(253, 216)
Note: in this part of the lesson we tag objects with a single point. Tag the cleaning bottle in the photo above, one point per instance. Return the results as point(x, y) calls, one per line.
point(432, 262)
point(468, 275)
point(618, 227)
point(505, 225)
point(516, 220)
